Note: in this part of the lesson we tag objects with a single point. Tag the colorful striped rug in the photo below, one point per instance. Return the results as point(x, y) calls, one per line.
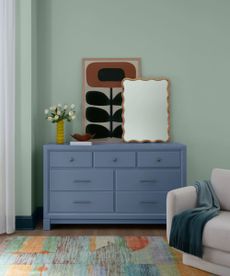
point(90, 255)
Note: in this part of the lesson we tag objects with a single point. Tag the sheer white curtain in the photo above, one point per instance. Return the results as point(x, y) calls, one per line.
point(7, 116)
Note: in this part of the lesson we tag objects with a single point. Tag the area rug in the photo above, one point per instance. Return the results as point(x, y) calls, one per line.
point(90, 255)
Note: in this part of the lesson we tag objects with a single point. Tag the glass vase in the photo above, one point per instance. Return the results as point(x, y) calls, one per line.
point(60, 135)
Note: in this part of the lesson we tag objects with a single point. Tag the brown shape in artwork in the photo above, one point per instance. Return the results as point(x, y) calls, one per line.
point(100, 74)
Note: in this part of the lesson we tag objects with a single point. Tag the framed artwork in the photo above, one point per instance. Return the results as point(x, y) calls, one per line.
point(102, 99)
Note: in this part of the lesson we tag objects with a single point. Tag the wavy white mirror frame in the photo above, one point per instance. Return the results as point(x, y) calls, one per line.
point(145, 110)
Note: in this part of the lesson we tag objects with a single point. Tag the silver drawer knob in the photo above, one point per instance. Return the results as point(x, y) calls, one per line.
point(115, 159)
point(159, 159)
point(71, 159)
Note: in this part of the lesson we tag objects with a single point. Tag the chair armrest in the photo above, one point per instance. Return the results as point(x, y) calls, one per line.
point(179, 200)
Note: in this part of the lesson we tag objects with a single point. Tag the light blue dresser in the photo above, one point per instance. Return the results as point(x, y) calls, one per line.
point(111, 183)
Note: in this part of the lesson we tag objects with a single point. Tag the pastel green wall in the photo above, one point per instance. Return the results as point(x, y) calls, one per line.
point(186, 41)
point(26, 105)
point(34, 98)
point(24, 116)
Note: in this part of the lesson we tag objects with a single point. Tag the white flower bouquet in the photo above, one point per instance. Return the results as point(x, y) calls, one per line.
point(58, 113)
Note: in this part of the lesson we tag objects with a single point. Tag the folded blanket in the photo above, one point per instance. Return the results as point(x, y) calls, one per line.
point(187, 227)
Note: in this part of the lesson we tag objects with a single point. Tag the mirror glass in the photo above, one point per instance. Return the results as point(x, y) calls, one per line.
point(145, 110)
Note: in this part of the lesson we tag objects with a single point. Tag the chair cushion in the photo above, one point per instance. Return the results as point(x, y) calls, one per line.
point(220, 179)
point(216, 232)
point(217, 256)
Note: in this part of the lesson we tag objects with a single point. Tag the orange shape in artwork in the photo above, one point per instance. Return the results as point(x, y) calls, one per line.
point(136, 243)
point(93, 72)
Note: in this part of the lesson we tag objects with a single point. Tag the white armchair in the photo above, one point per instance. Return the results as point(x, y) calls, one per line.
point(216, 234)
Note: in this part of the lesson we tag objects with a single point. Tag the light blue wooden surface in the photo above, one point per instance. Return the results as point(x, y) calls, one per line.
point(147, 179)
point(158, 159)
point(70, 159)
point(141, 202)
point(77, 201)
point(81, 179)
point(114, 159)
point(111, 183)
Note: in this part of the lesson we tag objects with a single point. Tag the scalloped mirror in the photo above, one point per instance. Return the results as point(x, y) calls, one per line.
point(145, 110)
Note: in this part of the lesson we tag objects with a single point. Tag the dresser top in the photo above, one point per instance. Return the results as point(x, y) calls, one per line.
point(118, 146)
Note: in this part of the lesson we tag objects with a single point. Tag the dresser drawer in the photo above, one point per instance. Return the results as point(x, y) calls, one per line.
point(148, 179)
point(75, 202)
point(81, 179)
point(158, 159)
point(70, 159)
point(114, 159)
point(141, 202)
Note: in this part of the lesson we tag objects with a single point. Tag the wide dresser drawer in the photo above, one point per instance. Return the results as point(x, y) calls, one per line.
point(75, 202)
point(114, 159)
point(70, 159)
point(148, 179)
point(141, 202)
point(81, 179)
point(158, 159)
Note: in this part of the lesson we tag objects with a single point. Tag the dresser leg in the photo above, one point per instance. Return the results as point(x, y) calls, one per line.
point(46, 224)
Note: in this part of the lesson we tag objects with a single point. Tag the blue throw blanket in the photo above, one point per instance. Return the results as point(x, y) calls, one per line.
point(187, 227)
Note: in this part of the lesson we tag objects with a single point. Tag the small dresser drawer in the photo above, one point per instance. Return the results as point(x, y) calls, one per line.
point(158, 159)
point(148, 179)
point(70, 159)
point(114, 159)
point(78, 202)
point(81, 179)
point(141, 202)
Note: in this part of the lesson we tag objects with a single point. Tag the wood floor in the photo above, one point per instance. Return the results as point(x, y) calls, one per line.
point(104, 230)
point(97, 230)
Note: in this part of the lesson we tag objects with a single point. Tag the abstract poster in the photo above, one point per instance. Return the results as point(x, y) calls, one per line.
point(102, 100)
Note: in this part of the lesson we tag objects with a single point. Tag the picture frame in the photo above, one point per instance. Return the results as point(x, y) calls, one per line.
point(101, 94)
